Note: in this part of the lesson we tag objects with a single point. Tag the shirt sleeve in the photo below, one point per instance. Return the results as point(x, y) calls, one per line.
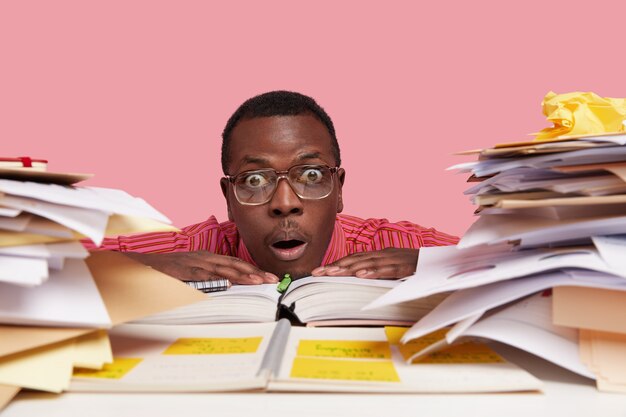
point(202, 236)
point(428, 236)
point(378, 234)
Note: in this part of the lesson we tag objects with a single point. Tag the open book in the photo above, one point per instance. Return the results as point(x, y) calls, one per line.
point(316, 301)
point(277, 357)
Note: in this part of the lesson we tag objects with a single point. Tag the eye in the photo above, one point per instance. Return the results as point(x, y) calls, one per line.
point(311, 176)
point(255, 180)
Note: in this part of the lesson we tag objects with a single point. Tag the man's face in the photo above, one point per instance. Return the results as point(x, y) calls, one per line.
point(287, 234)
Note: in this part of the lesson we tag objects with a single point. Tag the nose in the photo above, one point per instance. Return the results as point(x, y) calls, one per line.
point(285, 201)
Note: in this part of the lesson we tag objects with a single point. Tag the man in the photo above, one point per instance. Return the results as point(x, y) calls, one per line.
point(282, 183)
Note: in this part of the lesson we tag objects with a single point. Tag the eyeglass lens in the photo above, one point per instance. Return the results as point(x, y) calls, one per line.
point(307, 181)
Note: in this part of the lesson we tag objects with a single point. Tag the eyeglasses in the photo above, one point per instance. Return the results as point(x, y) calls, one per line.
point(310, 182)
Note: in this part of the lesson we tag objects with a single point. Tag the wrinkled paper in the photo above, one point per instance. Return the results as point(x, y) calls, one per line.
point(578, 113)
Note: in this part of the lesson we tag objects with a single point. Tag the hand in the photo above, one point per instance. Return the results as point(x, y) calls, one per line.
point(389, 263)
point(204, 266)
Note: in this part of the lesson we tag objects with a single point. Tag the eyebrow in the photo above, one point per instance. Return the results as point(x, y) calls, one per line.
point(309, 155)
point(249, 159)
point(254, 160)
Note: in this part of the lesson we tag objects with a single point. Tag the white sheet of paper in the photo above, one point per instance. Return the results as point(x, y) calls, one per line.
point(90, 222)
point(612, 249)
point(527, 325)
point(69, 298)
point(532, 230)
point(94, 198)
point(73, 249)
point(459, 328)
point(545, 180)
point(56, 263)
point(38, 250)
point(9, 212)
point(23, 271)
point(586, 156)
point(463, 304)
point(15, 224)
point(447, 268)
point(42, 226)
point(512, 178)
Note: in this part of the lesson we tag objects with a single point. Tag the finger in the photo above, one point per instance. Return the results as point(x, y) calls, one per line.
point(393, 271)
point(237, 277)
point(368, 263)
point(247, 268)
point(340, 266)
point(201, 273)
point(240, 267)
point(327, 270)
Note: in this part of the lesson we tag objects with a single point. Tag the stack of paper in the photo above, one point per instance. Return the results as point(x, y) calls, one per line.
point(41, 257)
point(552, 213)
point(53, 307)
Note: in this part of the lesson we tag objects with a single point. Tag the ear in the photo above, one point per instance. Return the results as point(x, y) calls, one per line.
point(341, 176)
point(224, 186)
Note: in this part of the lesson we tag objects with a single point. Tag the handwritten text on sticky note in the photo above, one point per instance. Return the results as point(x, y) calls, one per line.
point(345, 370)
point(468, 352)
point(366, 349)
point(213, 346)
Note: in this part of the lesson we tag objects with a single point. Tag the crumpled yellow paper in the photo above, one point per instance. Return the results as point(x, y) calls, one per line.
point(582, 114)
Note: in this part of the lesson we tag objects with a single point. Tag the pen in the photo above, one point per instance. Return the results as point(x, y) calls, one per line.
point(221, 284)
point(284, 283)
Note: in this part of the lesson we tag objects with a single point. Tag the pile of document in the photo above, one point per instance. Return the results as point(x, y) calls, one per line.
point(552, 215)
point(56, 301)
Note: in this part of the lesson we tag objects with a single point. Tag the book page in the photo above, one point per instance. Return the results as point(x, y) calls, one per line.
point(365, 360)
point(238, 304)
point(181, 359)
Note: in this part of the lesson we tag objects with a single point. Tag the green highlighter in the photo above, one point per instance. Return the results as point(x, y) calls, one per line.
point(284, 284)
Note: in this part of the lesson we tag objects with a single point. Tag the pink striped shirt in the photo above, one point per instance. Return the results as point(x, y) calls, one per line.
point(350, 235)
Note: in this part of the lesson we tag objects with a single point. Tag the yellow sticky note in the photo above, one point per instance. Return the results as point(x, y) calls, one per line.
point(468, 352)
point(214, 346)
point(365, 349)
point(394, 334)
point(115, 370)
point(345, 370)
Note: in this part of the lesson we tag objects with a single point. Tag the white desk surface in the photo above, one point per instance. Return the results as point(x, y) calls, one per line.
point(564, 394)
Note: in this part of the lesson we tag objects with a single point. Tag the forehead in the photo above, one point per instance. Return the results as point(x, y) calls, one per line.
point(279, 142)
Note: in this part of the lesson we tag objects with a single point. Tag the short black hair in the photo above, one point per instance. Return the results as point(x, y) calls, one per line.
point(277, 103)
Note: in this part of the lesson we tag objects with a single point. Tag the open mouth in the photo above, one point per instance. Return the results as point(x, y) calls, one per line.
point(288, 250)
point(287, 244)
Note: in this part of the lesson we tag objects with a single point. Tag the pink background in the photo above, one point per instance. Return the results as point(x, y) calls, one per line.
point(138, 92)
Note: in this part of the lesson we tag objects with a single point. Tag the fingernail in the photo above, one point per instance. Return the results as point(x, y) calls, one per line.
point(318, 271)
point(362, 273)
point(271, 276)
point(334, 269)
